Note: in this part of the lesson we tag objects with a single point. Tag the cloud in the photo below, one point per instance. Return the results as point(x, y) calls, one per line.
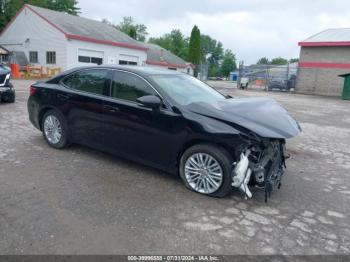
point(251, 28)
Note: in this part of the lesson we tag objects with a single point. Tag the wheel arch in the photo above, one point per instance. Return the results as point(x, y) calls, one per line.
point(43, 111)
point(197, 141)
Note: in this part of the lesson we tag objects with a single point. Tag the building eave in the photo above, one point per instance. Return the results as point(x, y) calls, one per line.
point(328, 65)
point(73, 36)
point(324, 44)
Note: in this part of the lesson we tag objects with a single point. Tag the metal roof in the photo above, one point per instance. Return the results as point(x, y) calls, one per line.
point(85, 29)
point(158, 55)
point(329, 37)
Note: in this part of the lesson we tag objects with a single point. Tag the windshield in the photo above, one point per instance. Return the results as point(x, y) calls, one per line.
point(184, 89)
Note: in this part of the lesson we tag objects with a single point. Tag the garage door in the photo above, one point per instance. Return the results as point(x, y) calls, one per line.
point(90, 57)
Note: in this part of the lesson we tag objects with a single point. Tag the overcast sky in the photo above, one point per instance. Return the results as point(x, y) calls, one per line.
point(251, 28)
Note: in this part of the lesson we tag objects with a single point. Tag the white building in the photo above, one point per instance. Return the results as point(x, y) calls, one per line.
point(55, 39)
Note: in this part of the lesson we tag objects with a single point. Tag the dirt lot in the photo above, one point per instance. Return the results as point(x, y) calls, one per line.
point(77, 200)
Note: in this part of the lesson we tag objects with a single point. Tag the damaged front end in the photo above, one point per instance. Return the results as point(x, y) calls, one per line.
point(260, 164)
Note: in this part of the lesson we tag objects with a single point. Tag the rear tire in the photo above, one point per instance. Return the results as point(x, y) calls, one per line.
point(54, 128)
point(220, 187)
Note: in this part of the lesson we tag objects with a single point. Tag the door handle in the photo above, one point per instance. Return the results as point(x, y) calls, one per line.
point(111, 109)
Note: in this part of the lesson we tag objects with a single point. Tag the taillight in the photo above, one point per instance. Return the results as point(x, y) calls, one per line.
point(32, 90)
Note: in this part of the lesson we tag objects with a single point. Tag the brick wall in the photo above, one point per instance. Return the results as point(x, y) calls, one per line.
point(320, 81)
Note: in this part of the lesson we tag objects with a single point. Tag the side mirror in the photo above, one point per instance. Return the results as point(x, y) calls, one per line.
point(153, 102)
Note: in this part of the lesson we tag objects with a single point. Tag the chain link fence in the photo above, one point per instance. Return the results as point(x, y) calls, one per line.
point(267, 77)
point(203, 72)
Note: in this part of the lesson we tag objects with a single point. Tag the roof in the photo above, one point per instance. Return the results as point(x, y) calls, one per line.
point(329, 37)
point(3, 51)
point(83, 29)
point(157, 55)
point(141, 70)
point(344, 75)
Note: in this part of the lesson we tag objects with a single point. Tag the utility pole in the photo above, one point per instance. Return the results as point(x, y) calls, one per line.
point(240, 73)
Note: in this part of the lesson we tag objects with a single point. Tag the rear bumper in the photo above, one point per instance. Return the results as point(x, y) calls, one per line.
point(7, 90)
point(278, 86)
point(33, 112)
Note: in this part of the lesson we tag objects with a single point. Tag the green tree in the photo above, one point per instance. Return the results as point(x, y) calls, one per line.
point(229, 63)
point(8, 8)
point(179, 43)
point(68, 6)
point(294, 60)
point(128, 26)
point(212, 53)
point(279, 61)
point(132, 32)
point(263, 61)
point(163, 41)
point(175, 42)
point(195, 52)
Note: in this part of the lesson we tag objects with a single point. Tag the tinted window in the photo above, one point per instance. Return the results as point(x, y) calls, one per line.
point(127, 86)
point(92, 81)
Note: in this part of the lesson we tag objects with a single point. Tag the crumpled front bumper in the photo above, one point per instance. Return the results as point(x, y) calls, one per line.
point(262, 168)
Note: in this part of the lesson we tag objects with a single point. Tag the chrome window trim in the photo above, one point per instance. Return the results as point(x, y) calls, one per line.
point(165, 102)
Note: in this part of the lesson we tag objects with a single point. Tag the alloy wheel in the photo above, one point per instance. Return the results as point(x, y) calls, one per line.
point(203, 173)
point(52, 129)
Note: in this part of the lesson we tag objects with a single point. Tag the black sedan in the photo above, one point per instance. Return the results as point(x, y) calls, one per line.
point(7, 92)
point(167, 120)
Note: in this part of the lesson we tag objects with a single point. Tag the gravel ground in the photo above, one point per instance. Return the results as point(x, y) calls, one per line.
point(80, 201)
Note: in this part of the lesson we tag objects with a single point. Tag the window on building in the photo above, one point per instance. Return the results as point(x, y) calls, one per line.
point(91, 81)
point(125, 62)
point(51, 57)
point(129, 87)
point(84, 59)
point(90, 60)
point(172, 68)
point(4, 59)
point(96, 60)
point(33, 57)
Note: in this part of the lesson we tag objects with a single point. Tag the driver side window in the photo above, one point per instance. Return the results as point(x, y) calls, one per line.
point(129, 87)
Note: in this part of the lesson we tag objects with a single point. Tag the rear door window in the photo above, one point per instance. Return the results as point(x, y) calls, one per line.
point(90, 81)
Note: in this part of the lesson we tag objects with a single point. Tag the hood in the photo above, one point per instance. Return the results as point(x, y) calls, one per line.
point(263, 116)
point(4, 70)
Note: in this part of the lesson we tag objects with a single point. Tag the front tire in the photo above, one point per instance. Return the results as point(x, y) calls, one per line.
point(54, 129)
point(206, 169)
